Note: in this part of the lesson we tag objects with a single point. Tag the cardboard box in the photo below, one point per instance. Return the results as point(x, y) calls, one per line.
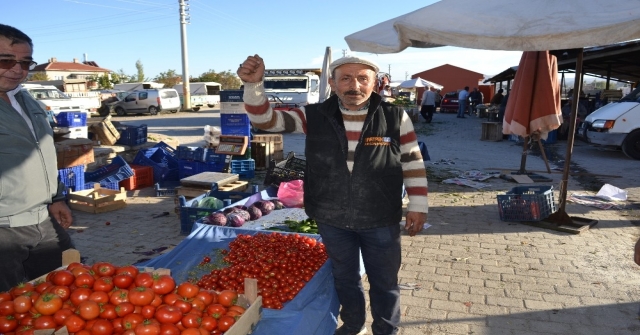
point(74, 152)
point(97, 199)
point(262, 153)
point(106, 133)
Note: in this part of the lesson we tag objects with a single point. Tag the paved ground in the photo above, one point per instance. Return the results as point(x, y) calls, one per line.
point(471, 273)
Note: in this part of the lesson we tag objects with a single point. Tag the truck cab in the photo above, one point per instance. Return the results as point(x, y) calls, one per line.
point(616, 125)
point(292, 87)
point(52, 99)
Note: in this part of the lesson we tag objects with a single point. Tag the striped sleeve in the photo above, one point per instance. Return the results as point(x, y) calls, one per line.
point(263, 117)
point(413, 171)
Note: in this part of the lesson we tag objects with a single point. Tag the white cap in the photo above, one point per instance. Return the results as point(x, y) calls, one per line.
point(353, 60)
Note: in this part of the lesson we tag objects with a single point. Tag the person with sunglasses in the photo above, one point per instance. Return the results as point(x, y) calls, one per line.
point(33, 213)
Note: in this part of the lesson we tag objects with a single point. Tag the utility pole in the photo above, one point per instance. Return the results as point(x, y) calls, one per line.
point(184, 19)
point(389, 72)
point(344, 52)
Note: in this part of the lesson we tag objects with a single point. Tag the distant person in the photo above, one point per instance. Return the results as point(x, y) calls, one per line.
point(33, 213)
point(438, 99)
point(497, 98)
point(386, 93)
point(428, 104)
point(476, 98)
point(503, 107)
point(463, 101)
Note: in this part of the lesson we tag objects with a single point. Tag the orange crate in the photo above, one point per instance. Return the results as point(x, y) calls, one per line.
point(142, 177)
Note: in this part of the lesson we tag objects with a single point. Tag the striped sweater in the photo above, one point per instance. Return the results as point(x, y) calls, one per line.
point(262, 116)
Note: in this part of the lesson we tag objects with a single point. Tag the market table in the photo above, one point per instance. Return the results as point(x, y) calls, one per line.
point(314, 310)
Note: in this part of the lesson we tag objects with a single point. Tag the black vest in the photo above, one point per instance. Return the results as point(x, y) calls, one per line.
point(371, 195)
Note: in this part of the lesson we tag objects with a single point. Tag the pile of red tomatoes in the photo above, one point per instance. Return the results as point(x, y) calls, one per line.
point(104, 299)
point(281, 263)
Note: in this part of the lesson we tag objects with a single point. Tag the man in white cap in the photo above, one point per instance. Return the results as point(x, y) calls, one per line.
point(359, 152)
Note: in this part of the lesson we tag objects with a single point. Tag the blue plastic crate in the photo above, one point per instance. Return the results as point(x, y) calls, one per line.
point(245, 168)
point(71, 119)
point(104, 184)
point(132, 135)
point(190, 153)
point(72, 177)
point(166, 188)
point(165, 166)
point(210, 156)
point(235, 124)
point(167, 148)
point(526, 203)
point(189, 168)
point(116, 171)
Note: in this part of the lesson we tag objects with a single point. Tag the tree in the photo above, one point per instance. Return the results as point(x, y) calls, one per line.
point(39, 76)
point(169, 78)
point(140, 69)
point(104, 81)
point(121, 77)
point(228, 80)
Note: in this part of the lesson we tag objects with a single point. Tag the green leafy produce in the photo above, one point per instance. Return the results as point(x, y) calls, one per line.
point(307, 226)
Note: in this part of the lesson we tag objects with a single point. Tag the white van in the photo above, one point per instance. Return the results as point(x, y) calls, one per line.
point(616, 124)
point(151, 101)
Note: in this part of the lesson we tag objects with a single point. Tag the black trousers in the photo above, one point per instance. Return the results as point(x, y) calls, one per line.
point(427, 112)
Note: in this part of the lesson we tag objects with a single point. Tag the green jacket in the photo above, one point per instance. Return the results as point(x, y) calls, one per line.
point(28, 166)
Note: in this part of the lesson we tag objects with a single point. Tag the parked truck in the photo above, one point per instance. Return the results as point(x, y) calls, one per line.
point(51, 99)
point(137, 86)
point(292, 87)
point(202, 94)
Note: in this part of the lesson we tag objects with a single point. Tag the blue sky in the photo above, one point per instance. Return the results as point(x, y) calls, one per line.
point(286, 33)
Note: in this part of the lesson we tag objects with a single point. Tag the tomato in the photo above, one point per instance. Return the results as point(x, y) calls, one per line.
point(170, 298)
point(207, 297)
point(74, 323)
point(25, 330)
point(141, 296)
point(163, 284)
point(169, 329)
point(128, 269)
point(48, 304)
point(225, 322)
point(62, 278)
point(144, 279)
point(184, 305)
point(103, 269)
point(27, 320)
point(99, 297)
point(157, 300)
point(61, 315)
point(22, 304)
point(117, 326)
point(168, 314)
point(8, 323)
point(130, 321)
point(88, 310)
point(21, 289)
point(209, 323)
point(118, 296)
point(191, 320)
point(148, 328)
point(227, 298)
point(44, 322)
point(215, 310)
point(5, 296)
point(124, 308)
point(198, 304)
point(79, 295)
point(108, 311)
point(41, 287)
point(74, 265)
point(123, 280)
point(104, 284)
point(64, 292)
point(238, 309)
point(148, 311)
point(85, 280)
point(188, 290)
point(194, 331)
point(102, 327)
point(6, 307)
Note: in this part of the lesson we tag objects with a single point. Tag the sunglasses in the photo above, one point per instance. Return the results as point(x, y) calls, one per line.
point(26, 65)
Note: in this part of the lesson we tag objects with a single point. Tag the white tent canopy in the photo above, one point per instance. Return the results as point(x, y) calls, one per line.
point(504, 25)
point(419, 82)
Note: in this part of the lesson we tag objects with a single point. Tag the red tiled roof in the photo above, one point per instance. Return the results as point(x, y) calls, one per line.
point(69, 66)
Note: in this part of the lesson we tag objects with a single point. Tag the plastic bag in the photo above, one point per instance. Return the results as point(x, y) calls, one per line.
point(291, 193)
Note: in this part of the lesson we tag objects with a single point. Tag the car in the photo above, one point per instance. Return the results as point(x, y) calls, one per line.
point(152, 101)
point(449, 103)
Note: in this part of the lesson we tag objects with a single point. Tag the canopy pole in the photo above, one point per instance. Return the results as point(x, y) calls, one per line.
point(561, 216)
point(523, 159)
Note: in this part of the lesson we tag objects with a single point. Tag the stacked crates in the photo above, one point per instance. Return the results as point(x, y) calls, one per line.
point(74, 123)
point(109, 176)
point(142, 177)
point(163, 161)
point(194, 160)
point(132, 135)
point(235, 121)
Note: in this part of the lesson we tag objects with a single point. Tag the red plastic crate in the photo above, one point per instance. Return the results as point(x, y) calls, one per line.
point(142, 177)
